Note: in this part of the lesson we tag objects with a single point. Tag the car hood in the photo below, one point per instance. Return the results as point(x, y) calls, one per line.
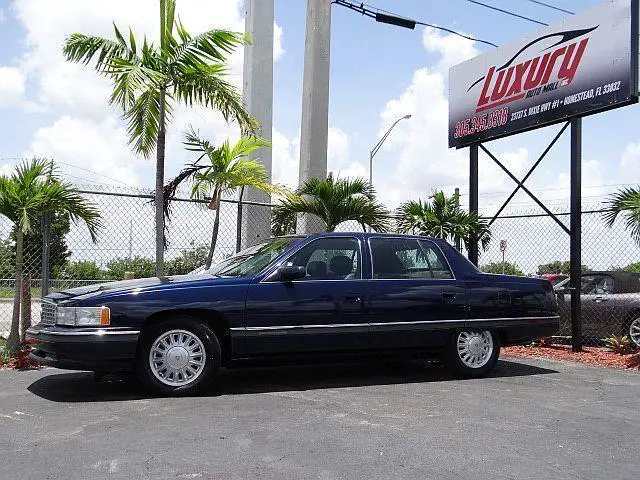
point(142, 284)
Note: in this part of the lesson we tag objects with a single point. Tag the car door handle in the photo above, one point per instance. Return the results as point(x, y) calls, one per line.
point(601, 299)
point(353, 298)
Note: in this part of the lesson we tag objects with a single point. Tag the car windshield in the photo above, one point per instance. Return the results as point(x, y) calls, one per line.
point(252, 260)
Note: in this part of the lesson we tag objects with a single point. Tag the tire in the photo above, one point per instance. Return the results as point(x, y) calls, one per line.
point(634, 331)
point(465, 363)
point(178, 357)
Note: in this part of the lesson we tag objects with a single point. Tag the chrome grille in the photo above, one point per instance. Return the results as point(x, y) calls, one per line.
point(48, 315)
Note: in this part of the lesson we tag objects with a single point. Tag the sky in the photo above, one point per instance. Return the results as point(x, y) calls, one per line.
point(378, 73)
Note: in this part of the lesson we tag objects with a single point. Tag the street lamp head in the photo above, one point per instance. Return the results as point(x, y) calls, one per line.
point(408, 116)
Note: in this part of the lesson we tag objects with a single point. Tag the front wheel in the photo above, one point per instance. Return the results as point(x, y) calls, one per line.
point(178, 357)
point(473, 353)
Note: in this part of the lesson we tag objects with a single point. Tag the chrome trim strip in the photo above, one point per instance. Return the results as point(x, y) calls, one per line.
point(382, 324)
point(72, 333)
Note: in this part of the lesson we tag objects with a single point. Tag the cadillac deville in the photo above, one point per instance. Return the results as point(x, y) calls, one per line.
point(306, 296)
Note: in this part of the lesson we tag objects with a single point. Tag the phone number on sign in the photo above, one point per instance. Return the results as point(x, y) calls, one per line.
point(481, 123)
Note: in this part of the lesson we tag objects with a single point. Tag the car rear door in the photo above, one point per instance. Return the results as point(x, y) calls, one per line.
point(321, 312)
point(413, 297)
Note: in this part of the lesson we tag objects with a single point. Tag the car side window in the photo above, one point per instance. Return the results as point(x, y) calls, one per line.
point(407, 258)
point(596, 284)
point(336, 258)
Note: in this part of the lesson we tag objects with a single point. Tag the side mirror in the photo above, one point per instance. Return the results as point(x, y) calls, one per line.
point(290, 273)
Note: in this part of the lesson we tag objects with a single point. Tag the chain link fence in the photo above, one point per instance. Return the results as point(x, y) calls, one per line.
point(535, 245)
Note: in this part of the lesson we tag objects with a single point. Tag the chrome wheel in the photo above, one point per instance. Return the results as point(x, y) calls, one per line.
point(177, 358)
point(474, 348)
point(634, 332)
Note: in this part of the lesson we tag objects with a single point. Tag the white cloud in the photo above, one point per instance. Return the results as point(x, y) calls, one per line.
point(630, 163)
point(285, 159)
point(81, 147)
point(278, 50)
point(12, 86)
point(3, 16)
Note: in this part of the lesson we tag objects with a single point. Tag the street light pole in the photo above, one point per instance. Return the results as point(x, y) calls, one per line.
point(378, 145)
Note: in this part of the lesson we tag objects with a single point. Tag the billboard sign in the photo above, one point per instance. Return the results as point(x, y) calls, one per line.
point(585, 64)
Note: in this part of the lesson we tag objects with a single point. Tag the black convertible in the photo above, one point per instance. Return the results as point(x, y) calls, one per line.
point(301, 296)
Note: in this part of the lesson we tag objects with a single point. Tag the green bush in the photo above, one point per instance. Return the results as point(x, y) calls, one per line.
point(632, 267)
point(187, 261)
point(140, 266)
point(558, 267)
point(496, 267)
point(82, 270)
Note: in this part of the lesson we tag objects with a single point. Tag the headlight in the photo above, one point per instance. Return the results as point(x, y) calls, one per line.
point(83, 316)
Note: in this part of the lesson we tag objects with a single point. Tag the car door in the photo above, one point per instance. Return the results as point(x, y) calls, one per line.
point(413, 298)
point(321, 312)
point(598, 301)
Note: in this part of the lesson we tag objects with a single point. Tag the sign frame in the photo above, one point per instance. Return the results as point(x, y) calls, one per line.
point(480, 123)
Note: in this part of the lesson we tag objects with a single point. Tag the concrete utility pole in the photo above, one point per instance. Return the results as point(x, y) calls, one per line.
point(315, 101)
point(258, 99)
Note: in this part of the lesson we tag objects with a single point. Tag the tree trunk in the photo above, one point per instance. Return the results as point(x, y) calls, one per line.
point(239, 221)
point(159, 195)
point(13, 342)
point(25, 321)
point(214, 239)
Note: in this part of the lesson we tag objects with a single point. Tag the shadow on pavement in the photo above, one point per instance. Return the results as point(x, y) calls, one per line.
point(81, 387)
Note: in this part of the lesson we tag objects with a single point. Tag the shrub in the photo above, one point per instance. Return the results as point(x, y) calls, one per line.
point(140, 267)
point(542, 342)
point(496, 267)
point(187, 261)
point(82, 270)
point(621, 345)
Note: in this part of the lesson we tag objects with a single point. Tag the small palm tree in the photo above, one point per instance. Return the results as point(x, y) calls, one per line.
point(33, 189)
point(442, 217)
point(625, 202)
point(149, 81)
point(219, 171)
point(336, 200)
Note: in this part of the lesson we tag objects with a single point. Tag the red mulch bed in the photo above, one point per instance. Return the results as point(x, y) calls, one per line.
point(19, 362)
point(590, 355)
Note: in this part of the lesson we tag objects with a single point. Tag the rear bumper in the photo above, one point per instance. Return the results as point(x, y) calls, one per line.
point(109, 349)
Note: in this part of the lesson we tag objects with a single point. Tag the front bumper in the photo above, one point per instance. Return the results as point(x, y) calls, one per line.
point(108, 349)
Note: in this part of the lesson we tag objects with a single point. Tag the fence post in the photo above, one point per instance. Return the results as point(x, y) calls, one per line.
point(46, 253)
point(239, 222)
point(473, 199)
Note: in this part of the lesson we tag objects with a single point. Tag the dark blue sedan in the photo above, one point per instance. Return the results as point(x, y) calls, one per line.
point(305, 296)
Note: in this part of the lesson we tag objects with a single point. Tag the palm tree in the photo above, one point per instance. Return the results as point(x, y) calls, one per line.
point(336, 200)
point(625, 202)
point(149, 81)
point(219, 171)
point(32, 190)
point(442, 217)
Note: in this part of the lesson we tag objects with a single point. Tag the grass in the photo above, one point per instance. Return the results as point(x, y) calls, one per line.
point(7, 292)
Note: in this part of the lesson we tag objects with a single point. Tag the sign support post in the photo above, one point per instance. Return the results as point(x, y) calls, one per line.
point(473, 199)
point(575, 255)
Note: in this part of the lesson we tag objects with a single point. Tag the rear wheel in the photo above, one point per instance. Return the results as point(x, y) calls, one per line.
point(178, 356)
point(634, 332)
point(473, 353)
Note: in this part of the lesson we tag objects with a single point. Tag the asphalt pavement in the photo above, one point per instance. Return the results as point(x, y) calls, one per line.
point(530, 419)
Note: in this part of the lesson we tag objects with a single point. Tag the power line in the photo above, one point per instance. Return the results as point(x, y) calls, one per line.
point(508, 12)
point(94, 172)
point(384, 16)
point(552, 6)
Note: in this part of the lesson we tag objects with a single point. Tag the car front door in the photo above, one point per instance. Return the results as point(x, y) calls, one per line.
point(414, 298)
point(322, 311)
point(598, 302)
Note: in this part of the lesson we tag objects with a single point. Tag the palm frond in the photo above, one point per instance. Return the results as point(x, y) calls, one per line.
point(625, 203)
point(80, 48)
point(205, 85)
point(143, 121)
point(186, 52)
